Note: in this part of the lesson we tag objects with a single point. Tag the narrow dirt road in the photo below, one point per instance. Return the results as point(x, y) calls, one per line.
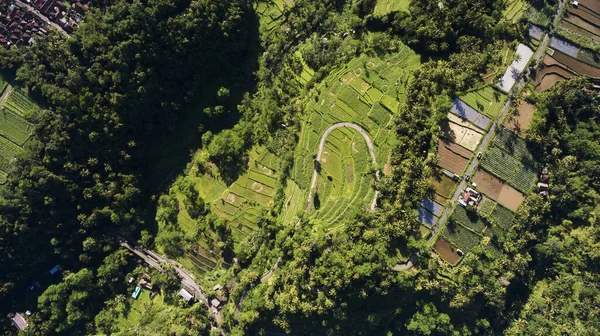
point(328, 131)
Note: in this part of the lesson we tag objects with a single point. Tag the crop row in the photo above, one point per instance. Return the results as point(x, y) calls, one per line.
point(462, 237)
point(14, 127)
point(514, 145)
point(19, 102)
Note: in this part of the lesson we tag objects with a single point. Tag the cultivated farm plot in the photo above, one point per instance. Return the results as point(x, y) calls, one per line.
point(497, 190)
point(576, 65)
point(487, 206)
point(426, 218)
point(14, 127)
point(446, 251)
point(461, 236)
point(487, 101)
point(503, 216)
point(464, 136)
point(432, 207)
point(471, 221)
point(514, 10)
point(520, 122)
point(452, 157)
point(18, 102)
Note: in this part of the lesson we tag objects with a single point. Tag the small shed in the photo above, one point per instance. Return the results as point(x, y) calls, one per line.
point(186, 295)
point(217, 287)
point(19, 322)
point(215, 302)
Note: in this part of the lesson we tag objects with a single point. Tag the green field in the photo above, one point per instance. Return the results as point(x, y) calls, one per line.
point(487, 206)
point(145, 314)
point(361, 93)
point(514, 10)
point(385, 7)
point(473, 221)
point(461, 236)
point(14, 127)
point(487, 101)
point(510, 159)
point(503, 216)
point(19, 102)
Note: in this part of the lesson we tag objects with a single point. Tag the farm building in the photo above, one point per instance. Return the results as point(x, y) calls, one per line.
point(470, 197)
point(186, 295)
point(19, 322)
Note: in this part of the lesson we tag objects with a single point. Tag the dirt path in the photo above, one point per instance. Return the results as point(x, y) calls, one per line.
point(6, 92)
point(330, 129)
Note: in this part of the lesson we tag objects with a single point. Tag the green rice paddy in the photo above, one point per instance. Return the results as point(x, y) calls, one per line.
point(486, 100)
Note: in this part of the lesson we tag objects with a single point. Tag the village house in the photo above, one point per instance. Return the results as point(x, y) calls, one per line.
point(470, 197)
point(17, 27)
point(189, 298)
point(19, 322)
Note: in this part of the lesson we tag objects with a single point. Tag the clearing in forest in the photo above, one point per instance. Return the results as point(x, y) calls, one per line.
point(385, 7)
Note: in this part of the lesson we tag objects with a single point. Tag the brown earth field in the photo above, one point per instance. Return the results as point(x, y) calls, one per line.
point(445, 250)
point(443, 185)
point(576, 65)
point(451, 161)
point(488, 184)
point(456, 148)
point(568, 25)
point(594, 5)
point(585, 13)
point(521, 121)
point(581, 23)
point(556, 68)
point(548, 81)
point(510, 197)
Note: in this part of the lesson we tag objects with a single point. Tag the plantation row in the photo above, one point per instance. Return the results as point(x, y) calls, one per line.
point(14, 127)
point(19, 102)
point(508, 168)
point(8, 151)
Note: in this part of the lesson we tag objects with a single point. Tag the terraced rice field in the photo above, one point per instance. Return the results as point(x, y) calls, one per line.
point(19, 102)
point(514, 10)
point(363, 92)
point(487, 101)
point(385, 7)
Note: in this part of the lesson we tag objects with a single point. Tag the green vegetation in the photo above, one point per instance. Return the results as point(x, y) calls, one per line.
point(514, 10)
point(541, 13)
point(19, 102)
point(461, 236)
point(487, 100)
point(511, 160)
point(487, 206)
point(503, 216)
point(385, 7)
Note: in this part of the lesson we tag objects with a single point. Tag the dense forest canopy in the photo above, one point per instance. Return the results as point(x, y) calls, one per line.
point(142, 84)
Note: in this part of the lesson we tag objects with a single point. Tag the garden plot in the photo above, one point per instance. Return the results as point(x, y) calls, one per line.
point(466, 112)
point(508, 80)
point(583, 23)
point(465, 137)
point(504, 217)
point(510, 198)
point(487, 206)
point(515, 10)
point(14, 127)
point(593, 5)
point(8, 151)
point(461, 236)
point(469, 220)
point(385, 7)
point(520, 122)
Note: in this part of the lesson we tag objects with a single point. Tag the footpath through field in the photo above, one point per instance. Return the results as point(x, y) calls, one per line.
point(484, 143)
point(365, 135)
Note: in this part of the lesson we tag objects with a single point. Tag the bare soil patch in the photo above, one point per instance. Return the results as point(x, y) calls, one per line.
point(594, 5)
point(510, 197)
point(445, 250)
point(522, 119)
point(488, 184)
point(450, 160)
point(548, 81)
point(458, 149)
point(230, 198)
point(387, 167)
point(584, 32)
point(257, 187)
